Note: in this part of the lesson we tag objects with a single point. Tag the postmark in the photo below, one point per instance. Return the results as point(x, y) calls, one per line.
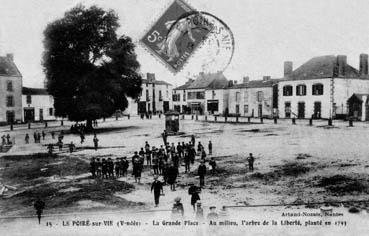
point(181, 31)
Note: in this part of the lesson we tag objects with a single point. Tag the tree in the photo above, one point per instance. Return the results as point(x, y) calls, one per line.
point(90, 71)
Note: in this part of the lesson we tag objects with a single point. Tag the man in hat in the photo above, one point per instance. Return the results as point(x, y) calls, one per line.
point(96, 142)
point(172, 173)
point(213, 165)
point(195, 197)
point(201, 171)
point(125, 165)
point(157, 186)
point(177, 209)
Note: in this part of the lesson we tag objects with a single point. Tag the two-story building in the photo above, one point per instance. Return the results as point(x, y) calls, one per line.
point(10, 91)
point(156, 96)
point(179, 98)
point(204, 94)
point(37, 104)
point(321, 87)
point(254, 98)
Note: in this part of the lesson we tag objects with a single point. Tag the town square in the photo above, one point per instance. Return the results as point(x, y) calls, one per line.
point(128, 123)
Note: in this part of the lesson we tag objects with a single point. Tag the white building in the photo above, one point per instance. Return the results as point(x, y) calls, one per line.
point(321, 87)
point(37, 105)
point(255, 98)
point(156, 97)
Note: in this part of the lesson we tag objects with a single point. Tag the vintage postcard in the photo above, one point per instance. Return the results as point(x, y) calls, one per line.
point(184, 117)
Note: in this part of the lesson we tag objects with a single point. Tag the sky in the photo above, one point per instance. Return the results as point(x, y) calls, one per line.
point(266, 32)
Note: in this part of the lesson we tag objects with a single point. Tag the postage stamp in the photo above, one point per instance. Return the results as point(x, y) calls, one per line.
point(176, 35)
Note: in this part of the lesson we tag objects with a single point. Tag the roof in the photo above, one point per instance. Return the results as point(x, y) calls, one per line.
point(209, 81)
point(34, 91)
point(358, 96)
point(159, 82)
point(8, 67)
point(185, 86)
point(321, 67)
point(256, 84)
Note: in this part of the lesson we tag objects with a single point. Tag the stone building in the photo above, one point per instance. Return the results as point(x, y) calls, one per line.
point(156, 96)
point(37, 105)
point(255, 98)
point(321, 87)
point(10, 91)
point(179, 98)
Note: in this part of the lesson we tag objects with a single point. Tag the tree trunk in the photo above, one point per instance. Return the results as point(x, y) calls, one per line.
point(89, 125)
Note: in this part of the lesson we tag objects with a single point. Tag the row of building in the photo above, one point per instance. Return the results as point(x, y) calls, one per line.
point(323, 87)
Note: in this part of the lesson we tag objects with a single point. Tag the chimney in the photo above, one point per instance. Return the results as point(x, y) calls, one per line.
point(363, 64)
point(341, 65)
point(10, 56)
point(288, 68)
point(150, 77)
point(266, 78)
point(245, 79)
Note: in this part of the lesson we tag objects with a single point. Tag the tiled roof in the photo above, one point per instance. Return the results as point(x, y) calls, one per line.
point(34, 91)
point(209, 81)
point(185, 86)
point(321, 67)
point(160, 82)
point(256, 84)
point(8, 67)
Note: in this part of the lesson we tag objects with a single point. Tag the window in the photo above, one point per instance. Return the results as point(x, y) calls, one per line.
point(260, 96)
point(9, 86)
point(246, 109)
point(301, 90)
point(196, 95)
point(176, 97)
point(29, 99)
point(51, 111)
point(238, 96)
point(167, 94)
point(184, 95)
point(287, 109)
point(10, 116)
point(287, 90)
point(213, 94)
point(317, 89)
point(147, 85)
point(246, 96)
point(160, 96)
point(9, 101)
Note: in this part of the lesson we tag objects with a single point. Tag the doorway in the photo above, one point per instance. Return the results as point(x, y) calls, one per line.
point(301, 110)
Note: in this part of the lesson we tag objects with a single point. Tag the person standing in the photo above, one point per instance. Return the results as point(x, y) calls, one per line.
point(251, 161)
point(98, 167)
point(27, 139)
point(43, 135)
point(201, 171)
point(210, 147)
point(155, 163)
point(117, 167)
point(8, 139)
point(52, 134)
point(157, 186)
point(187, 161)
point(35, 137)
point(125, 166)
point(82, 136)
point(39, 137)
point(96, 142)
point(39, 205)
point(71, 147)
point(203, 153)
point(60, 145)
point(194, 198)
point(110, 168)
point(104, 169)
point(193, 140)
point(172, 173)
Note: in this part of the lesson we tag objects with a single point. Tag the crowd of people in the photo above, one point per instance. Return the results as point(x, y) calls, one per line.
point(5, 140)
